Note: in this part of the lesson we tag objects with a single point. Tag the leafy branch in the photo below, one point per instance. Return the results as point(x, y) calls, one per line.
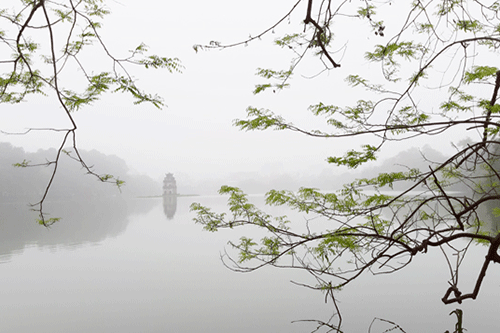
point(79, 20)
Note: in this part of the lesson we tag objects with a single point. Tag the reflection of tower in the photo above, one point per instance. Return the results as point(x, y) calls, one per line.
point(169, 195)
point(169, 205)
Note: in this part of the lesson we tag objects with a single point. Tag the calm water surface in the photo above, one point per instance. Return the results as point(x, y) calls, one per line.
point(142, 266)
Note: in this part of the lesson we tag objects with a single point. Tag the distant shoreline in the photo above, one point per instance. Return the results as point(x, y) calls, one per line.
point(161, 196)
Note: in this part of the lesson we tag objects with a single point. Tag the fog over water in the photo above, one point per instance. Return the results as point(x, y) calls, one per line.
point(118, 262)
point(124, 266)
point(131, 261)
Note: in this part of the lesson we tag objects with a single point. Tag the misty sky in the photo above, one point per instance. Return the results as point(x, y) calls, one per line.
point(194, 134)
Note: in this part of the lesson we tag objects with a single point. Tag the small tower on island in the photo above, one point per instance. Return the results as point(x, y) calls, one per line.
point(169, 185)
point(169, 195)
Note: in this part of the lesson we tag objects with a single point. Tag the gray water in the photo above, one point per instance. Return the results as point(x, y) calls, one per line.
point(139, 266)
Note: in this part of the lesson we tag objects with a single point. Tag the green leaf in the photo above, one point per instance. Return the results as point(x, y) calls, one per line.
point(352, 159)
point(480, 73)
point(23, 164)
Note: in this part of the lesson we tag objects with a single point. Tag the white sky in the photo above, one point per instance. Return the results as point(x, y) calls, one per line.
point(194, 135)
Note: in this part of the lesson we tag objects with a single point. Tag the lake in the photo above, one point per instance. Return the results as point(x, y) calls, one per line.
point(142, 266)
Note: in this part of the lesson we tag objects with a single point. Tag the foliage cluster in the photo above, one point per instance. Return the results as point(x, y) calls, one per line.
point(437, 76)
point(43, 44)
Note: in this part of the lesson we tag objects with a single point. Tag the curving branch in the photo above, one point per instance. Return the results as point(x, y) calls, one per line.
point(319, 34)
point(492, 103)
point(28, 76)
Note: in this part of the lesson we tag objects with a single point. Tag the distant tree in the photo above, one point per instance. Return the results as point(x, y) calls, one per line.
point(44, 45)
point(437, 75)
point(29, 184)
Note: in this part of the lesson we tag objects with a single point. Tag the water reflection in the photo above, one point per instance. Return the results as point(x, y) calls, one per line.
point(169, 205)
point(82, 222)
point(148, 275)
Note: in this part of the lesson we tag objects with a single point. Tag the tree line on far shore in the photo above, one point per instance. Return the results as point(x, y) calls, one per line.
point(71, 181)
